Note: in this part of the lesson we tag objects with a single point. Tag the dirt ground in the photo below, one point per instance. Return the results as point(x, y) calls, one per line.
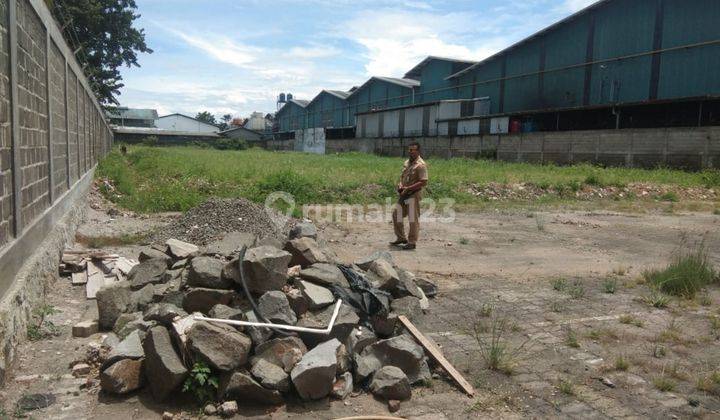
point(492, 267)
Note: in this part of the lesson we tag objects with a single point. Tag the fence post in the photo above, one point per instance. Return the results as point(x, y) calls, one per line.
point(15, 118)
point(67, 128)
point(48, 94)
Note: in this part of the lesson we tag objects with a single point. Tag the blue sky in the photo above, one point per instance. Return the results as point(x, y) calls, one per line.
point(235, 56)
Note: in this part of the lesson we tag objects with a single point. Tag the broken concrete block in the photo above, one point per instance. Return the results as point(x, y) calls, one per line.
point(274, 306)
point(390, 383)
point(384, 274)
point(147, 272)
point(140, 299)
point(201, 299)
point(148, 253)
point(297, 301)
point(270, 375)
point(408, 306)
point(284, 352)
point(207, 272)
point(401, 351)
point(343, 386)
point(346, 321)
point(314, 375)
point(324, 275)
point(112, 300)
point(240, 386)
point(163, 313)
point(258, 335)
point(364, 263)
point(305, 252)
point(220, 346)
point(163, 367)
point(265, 268)
point(179, 249)
point(129, 348)
point(316, 296)
point(85, 328)
point(124, 319)
point(230, 244)
point(122, 377)
point(81, 369)
point(303, 230)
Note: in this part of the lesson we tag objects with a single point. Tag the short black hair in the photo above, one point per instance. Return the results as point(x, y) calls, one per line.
point(414, 144)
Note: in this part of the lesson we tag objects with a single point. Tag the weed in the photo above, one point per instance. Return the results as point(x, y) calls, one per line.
point(43, 328)
point(558, 284)
point(571, 338)
point(557, 306)
point(463, 240)
point(705, 299)
point(620, 270)
point(657, 299)
point(659, 351)
point(426, 383)
point(201, 383)
point(664, 384)
point(486, 310)
point(711, 178)
point(631, 320)
point(621, 363)
point(598, 334)
point(686, 275)
point(714, 326)
point(669, 196)
point(540, 222)
point(100, 242)
point(671, 333)
point(716, 212)
point(566, 387)
point(609, 285)
point(577, 290)
point(593, 180)
point(675, 371)
point(496, 351)
point(710, 383)
point(515, 327)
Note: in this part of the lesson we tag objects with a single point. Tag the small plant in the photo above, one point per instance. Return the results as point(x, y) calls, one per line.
point(557, 306)
point(43, 328)
point(558, 284)
point(620, 270)
point(688, 273)
point(566, 387)
point(671, 333)
point(150, 141)
point(463, 240)
point(571, 338)
point(657, 299)
point(498, 354)
point(716, 212)
point(201, 383)
point(576, 291)
point(659, 351)
point(705, 299)
point(711, 178)
point(714, 326)
point(669, 196)
point(609, 286)
point(710, 383)
point(664, 384)
point(631, 320)
point(486, 310)
point(621, 363)
point(593, 180)
point(540, 222)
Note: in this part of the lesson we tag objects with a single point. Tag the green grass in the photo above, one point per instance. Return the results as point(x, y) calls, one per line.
point(154, 179)
point(621, 363)
point(688, 273)
point(609, 285)
point(664, 384)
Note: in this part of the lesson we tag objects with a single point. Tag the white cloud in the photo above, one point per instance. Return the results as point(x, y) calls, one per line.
point(220, 48)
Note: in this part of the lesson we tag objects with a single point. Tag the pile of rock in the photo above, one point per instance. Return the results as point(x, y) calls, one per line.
point(153, 314)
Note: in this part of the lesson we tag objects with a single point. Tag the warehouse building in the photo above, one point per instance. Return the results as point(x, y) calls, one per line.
point(291, 117)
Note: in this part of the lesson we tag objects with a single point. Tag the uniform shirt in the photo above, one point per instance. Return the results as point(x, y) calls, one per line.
point(414, 172)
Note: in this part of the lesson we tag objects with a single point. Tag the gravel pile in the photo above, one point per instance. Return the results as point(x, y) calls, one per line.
point(216, 217)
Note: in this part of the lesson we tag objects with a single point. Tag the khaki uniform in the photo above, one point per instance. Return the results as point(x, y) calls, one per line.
point(410, 207)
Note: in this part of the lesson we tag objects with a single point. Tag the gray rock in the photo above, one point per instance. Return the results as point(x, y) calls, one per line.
point(305, 252)
point(298, 303)
point(210, 410)
point(129, 348)
point(231, 271)
point(147, 272)
point(221, 347)
point(201, 299)
point(230, 244)
point(125, 319)
point(384, 274)
point(163, 368)
point(179, 249)
point(406, 286)
point(265, 268)
point(283, 352)
point(359, 338)
point(271, 376)
point(428, 287)
point(179, 264)
point(140, 299)
point(207, 272)
point(112, 300)
point(149, 253)
point(225, 312)
point(316, 296)
point(364, 263)
point(228, 408)
point(385, 324)
point(303, 230)
point(163, 313)
point(390, 383)
point(258, 335)
point(401, 352)
point(274, 306)
point(343, 386)
point(270, 241)
point(110, 340)
point(240, 386)
point(408, 306)
point(314, 375)
point(346, 321)
point(122, 377)
point(324, 274)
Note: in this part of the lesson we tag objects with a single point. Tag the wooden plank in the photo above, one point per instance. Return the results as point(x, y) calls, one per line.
point(79, 278)
point(438, 356)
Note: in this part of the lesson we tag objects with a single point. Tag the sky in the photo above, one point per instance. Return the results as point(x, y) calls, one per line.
point(236, 56)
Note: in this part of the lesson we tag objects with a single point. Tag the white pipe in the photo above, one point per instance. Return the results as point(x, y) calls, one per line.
point(323, 331)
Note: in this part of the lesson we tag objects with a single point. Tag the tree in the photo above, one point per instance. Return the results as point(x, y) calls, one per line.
point(225, 121)
point(103, 36)
point(206, 117)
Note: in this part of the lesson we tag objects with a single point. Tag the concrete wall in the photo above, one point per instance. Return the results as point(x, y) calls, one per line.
point(52, 132)
point(690, 148)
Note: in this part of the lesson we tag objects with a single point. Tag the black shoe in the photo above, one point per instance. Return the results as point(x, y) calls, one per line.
point(398, 242)
point(408, 247)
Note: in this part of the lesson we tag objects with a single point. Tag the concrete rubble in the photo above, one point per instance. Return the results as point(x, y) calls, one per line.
point(156, 340)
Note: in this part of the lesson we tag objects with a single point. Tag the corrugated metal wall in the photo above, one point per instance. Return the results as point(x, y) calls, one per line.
point(327, 110)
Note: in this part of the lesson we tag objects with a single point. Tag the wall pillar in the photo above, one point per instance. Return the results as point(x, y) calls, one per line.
point(48, 93)
point(15, 118)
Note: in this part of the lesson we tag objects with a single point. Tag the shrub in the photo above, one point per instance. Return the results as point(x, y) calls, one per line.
point(711, 178)
point(230, 144)
point(201, 383)
point(688, 273)
point(150, 141)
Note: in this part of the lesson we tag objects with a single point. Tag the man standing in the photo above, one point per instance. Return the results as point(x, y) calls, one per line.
point(413, 179)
